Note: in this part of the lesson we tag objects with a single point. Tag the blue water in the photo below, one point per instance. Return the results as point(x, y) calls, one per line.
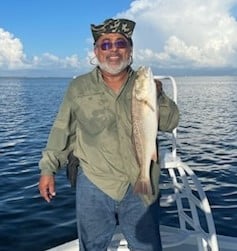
point(207, 142)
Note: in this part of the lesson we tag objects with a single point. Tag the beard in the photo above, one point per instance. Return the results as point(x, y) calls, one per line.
point(114, 69)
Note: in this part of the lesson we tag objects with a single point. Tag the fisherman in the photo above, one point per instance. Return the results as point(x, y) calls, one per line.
point(94, 122)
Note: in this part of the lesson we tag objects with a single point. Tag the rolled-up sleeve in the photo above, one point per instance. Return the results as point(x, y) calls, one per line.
point(168, 113)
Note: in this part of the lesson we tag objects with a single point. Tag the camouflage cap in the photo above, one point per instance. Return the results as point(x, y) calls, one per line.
point(123, 26)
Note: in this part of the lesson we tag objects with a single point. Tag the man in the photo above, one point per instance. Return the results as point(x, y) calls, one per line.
point(94, 121)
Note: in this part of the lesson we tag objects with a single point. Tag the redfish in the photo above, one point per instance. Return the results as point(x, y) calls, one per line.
point(145, 126)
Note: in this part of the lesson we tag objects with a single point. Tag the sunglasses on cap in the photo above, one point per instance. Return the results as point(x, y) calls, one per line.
point(108, 45)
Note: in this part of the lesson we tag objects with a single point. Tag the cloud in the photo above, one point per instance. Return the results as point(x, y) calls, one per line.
point(12, 57)
point(11, 51)
point(50, 60)
point(184, 33)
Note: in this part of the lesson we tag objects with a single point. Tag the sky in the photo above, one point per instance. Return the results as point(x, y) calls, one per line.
point(52, 38)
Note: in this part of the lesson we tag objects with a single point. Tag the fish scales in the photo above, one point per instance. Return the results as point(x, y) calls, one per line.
point(145, 126)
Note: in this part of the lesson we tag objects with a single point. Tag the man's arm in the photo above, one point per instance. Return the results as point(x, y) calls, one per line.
point(60, 143)
point(168, 110)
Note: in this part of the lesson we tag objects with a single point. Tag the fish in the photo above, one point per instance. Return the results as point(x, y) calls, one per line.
point(144, 126)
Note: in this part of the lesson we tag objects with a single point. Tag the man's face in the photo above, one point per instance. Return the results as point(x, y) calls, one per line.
point(113, 52)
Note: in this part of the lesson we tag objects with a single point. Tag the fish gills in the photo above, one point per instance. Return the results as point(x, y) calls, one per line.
point(145, 126)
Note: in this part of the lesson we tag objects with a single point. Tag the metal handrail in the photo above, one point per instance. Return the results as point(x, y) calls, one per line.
point(184, 182)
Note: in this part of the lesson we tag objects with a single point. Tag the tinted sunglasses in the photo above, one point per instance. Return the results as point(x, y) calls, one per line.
point(119, 44)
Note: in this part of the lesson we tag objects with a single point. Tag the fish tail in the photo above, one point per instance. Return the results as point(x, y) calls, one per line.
point(143, 186)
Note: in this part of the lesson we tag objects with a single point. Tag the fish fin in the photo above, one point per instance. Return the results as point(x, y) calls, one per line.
point(149, 105)
point(143, 186)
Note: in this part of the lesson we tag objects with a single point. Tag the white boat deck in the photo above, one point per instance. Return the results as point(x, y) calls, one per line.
point(225, 243)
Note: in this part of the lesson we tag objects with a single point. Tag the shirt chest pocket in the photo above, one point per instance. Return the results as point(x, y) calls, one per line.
point(94, 113)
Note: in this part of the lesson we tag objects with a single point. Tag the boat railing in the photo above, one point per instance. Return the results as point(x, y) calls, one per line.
point(183, 189)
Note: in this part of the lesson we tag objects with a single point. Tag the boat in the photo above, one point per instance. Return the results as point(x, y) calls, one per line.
point(182, 191)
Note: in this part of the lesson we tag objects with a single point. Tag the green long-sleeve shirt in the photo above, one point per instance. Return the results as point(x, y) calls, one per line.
point(95, 123)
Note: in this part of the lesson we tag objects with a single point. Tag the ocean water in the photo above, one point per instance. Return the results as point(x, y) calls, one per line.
point(207, 142)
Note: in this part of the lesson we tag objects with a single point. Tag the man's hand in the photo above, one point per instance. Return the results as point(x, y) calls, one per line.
point(47, 187)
